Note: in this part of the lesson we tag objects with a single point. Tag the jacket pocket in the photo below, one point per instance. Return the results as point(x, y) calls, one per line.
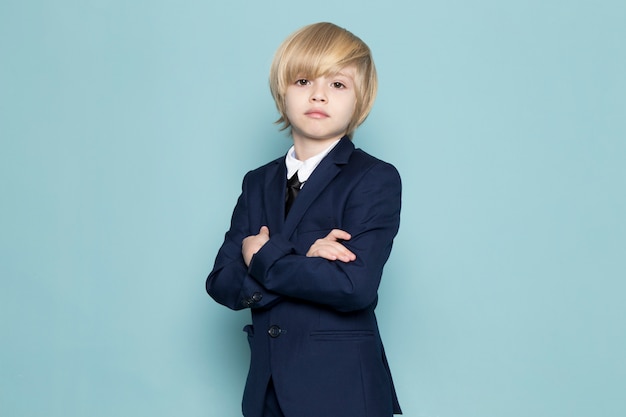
point(342, 335)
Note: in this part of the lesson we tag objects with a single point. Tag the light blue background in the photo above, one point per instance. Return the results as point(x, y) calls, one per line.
point(126, 127)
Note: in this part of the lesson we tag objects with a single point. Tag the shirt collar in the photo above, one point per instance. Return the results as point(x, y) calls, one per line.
point(305, 168)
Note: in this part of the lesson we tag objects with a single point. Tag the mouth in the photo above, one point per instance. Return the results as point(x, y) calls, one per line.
point(316, 114)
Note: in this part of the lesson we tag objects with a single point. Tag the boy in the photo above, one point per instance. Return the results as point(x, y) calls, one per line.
point(309, 267)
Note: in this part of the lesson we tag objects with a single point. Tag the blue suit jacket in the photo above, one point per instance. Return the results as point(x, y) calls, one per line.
point(314, 331)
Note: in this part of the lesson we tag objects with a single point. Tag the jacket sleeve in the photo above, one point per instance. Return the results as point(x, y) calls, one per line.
point(229, 282)
point(372, 217)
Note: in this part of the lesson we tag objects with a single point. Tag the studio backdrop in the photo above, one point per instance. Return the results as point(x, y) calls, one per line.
point(126, 128)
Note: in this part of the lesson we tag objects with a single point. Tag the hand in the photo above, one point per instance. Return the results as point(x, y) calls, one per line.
point(252, 244)
point(331, 247)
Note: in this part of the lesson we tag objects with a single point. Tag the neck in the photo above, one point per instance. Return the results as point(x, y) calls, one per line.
point(307, 148)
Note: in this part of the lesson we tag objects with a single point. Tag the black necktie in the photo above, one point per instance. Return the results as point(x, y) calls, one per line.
point(293, 188)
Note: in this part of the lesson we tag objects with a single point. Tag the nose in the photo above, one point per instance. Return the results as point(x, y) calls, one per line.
point(318, 95)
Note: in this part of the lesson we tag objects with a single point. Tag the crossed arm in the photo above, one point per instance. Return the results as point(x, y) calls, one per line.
point(341, 270)
point(230, 282)
point(329, 247)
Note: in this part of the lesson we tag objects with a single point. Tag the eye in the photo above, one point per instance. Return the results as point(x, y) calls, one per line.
point(337, 84)
point(303, 81)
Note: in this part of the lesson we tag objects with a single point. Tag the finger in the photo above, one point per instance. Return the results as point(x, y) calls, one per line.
point(321, 249)
point(338, 234)
point(264, 230)
point(337, 248)
point(329, 254)
point(332, 251)
point(346, 256)
point(326, 255)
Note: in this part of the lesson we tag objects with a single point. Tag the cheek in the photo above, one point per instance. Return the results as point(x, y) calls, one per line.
point(350, 107)
point(290, 102)
point(287, 105)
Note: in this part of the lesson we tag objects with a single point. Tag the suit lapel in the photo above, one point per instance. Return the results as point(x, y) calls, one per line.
point(328, 168)
point(274, 196)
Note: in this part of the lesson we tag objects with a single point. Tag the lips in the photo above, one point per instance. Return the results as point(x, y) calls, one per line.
point(317, 114)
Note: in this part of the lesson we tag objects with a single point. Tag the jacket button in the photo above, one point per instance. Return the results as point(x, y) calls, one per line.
point(274, 331)
point(256, 297)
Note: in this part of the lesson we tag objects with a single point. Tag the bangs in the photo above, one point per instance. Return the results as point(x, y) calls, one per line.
point(320, 51)
point(302, 64)
point(319, 58)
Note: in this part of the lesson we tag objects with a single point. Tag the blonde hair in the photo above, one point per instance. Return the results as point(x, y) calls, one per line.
point(323, 49)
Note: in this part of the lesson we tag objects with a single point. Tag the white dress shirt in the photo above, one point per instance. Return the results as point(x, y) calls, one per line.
point(305, 168)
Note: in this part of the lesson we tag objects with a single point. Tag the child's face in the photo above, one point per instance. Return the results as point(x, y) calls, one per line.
point(321, 109)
